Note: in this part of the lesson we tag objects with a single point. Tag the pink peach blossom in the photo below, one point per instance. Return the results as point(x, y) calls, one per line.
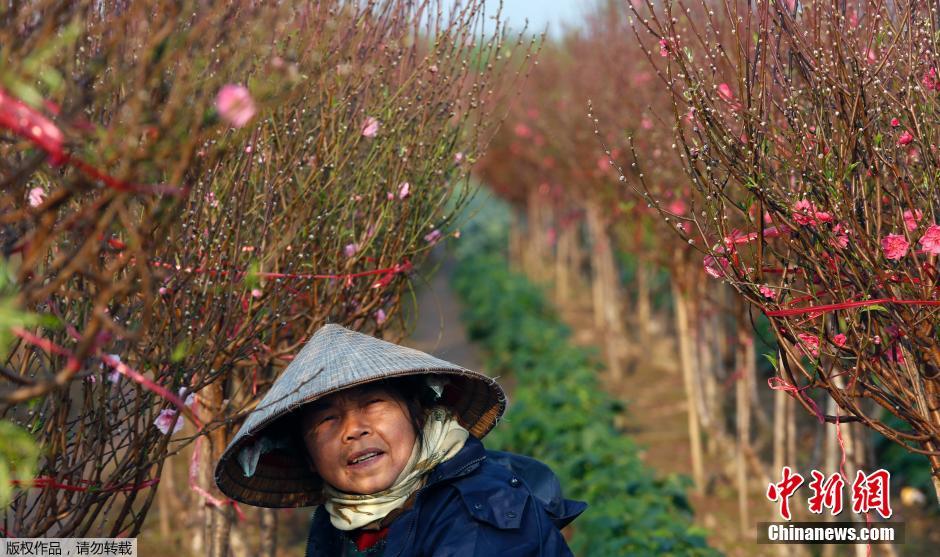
point(404, 190)
point(911, 218)
point(522, 130)
point(930, 80)
point(380, 316)
point(370, 127)
point(350, 250)
point(165, 420)
point(36, 195)
point(894, 246)
point(931, 240)
point(767, 291)
point(839, 340)
point(811, 342)
point(664, 47)
point(725, 92)
point(114, 376)
point(895, 122)
point(677, 207)
point(256, 292)
point(433, 236)
point(803, 211)
point(840, 236)
point(235, 104)
point(905, 138)
point(712, 265)
point(188, 398)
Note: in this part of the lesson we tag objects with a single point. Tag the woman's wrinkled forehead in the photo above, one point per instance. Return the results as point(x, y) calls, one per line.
point(352, 394)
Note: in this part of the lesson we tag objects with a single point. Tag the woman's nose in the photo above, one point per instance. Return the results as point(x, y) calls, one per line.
point(355, 426)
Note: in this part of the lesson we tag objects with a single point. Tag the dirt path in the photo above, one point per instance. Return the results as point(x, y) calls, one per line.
point(438, 329)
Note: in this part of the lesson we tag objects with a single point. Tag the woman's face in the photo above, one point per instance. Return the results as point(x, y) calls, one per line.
point(360, 439)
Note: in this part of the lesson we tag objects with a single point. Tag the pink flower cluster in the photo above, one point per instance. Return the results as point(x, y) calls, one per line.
point(911, 218)
point(810, 343)
point(930, 81)
point(714, 267)
point(896, 246)
point(235, 104)
point(930, 241)
point(805, 214)
point(664, 47)
point(36, 196)
point(167, 416)
point(370, 127)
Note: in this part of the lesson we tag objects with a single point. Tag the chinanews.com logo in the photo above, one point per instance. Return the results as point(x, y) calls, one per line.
point(869, 493)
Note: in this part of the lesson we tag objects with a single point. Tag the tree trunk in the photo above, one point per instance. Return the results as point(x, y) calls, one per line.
point(268, 533)
point(605, 290)
point(515, 243)
point(164, 492)
point(598, 236)
point(746, 362)
point(238, 546)
point(830, 463)
point(217, 521)
point(644, 309)
point(932, 394)
point(564, 263)
point(685, 356)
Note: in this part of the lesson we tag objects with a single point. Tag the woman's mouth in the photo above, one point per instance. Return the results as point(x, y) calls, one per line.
point(365, 458)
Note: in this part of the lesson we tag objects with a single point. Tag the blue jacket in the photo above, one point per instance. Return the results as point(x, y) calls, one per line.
point(477, 504)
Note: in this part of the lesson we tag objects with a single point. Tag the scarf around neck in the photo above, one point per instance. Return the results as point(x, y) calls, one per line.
point(443, 438)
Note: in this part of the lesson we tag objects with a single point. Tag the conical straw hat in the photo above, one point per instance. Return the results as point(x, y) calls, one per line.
point(337, 358)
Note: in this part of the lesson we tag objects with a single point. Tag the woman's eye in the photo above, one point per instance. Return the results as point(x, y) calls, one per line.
point(325, 419)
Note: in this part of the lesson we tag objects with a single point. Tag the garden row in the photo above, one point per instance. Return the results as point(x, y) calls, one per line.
point(560, 415)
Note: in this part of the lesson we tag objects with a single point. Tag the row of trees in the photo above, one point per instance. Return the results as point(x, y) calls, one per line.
point(189, 193)
point(774, 159)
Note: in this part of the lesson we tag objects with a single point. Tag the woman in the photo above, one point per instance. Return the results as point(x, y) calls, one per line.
point(385, 440)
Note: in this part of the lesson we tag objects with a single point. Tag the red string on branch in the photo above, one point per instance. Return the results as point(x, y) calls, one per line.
point(29, 123)
point(386, 273)
point(116, 364)
point(50, 482)
point(779, 384)
point(846, 305)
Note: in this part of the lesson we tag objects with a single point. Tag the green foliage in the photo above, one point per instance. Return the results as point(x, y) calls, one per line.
point(18, 456)
point(11, 315)
point(907, 468)
point(561, 415)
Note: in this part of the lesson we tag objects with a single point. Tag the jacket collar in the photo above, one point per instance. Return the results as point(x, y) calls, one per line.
point(465, 461)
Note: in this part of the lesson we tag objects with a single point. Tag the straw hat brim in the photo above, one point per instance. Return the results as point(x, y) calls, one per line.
point(283, 477)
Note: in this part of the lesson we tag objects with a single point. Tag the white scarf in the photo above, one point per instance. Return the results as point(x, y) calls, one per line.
point(443, 438)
